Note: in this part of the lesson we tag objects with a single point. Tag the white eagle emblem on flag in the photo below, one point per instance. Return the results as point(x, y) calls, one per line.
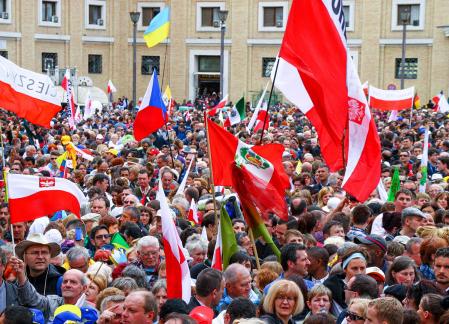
point(356, 110)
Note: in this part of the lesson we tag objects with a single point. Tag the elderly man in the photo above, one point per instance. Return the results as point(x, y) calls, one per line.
point(78, 258)
point(74, 284)
point(140, 307)
point(148, 258)
point(237, 284)
point(36, 252)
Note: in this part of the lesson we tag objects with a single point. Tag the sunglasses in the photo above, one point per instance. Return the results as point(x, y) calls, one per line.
point(354, 317)
point(104, 236)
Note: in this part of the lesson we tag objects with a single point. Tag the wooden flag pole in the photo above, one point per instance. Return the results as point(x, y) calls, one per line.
point(211, 168)
point(269, 100)
point(251, 236)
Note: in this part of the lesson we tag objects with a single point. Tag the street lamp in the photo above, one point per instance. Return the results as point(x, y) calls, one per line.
point(222, 15)
point(405, 18)
point(134, 18)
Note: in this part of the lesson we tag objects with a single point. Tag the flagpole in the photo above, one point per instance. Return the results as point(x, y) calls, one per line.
point(165, 61)
point(6, 183)
point(251, 236)
point(211, 168)
point(269, 100)
point(411, 112)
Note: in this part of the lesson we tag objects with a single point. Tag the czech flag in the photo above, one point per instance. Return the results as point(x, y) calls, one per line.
point(152, 113)
point(158, 29)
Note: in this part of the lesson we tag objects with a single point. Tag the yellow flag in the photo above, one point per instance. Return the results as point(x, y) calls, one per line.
point(298, 167)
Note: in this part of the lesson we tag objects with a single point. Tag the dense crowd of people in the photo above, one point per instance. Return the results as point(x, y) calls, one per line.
point(341, 261)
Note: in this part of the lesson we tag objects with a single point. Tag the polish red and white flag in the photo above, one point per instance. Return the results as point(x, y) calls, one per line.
point(391, 99)
point(213, 111)
point(217, 261)
point(193, 213)
point(178, 274)
point(31, 197)
point(315, 72)
point(29, 95)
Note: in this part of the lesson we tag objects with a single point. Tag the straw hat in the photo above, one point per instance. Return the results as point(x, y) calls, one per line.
point(37, 239)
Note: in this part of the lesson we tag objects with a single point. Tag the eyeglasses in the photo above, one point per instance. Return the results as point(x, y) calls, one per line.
point(39, 253)
point(104, 236)
point(150, 253)
point(354, 317)
point(287, 298)
point(403, 155)
point(129, 202)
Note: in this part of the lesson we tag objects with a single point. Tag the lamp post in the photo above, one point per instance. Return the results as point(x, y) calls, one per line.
point(134, 18)
point(222, 15)
point(405, 18)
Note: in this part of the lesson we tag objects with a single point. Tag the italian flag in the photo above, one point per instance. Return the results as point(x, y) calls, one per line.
point(237, 113)
point(226, 244)
point(262, 164)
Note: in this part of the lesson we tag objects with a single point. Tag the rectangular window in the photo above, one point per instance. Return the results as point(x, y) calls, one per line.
point(413, 14)
point(410, 68)
point(95, 63)
point(49, 61)
point(208, 63)
point(48, 11)
point(209, 17)
point(4, 54)
point(267, 66)
point(148, 14)
point(3, 6)
point(346, 11)
point(273, 16)
point(5, 11)
point(95, 15)
point(149, 63)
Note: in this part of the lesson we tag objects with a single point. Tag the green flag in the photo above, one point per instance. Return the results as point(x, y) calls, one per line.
point(256, 224)
point(237, 113)
point(395, 185)
point(228, 241)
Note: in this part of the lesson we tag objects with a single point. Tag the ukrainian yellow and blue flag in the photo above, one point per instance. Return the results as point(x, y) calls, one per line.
point(158, 29)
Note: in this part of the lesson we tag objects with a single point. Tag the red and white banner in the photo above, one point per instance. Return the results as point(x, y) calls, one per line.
point(193, 213)
point(315, 72)
point(217, 260)
point(213, 111)
point(31, 197)
point(28, 94)
point(178, 274)
point(441, 104)
point(70, 100)
point(88, 109)
point(391, 99)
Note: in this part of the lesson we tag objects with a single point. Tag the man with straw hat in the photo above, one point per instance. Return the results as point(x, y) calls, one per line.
point(36, 251)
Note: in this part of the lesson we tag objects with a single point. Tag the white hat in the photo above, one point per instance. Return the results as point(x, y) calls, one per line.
point(332, 203)
point(94, 217)
point(436, 177)
point(54, 236)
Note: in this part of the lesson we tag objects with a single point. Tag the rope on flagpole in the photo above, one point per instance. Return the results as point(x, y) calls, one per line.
point(210, 167)
point(269, 99)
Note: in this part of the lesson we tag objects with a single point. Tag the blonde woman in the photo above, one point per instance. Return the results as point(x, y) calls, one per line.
point(323, 196)
point(356, 311)
point(283, 301)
